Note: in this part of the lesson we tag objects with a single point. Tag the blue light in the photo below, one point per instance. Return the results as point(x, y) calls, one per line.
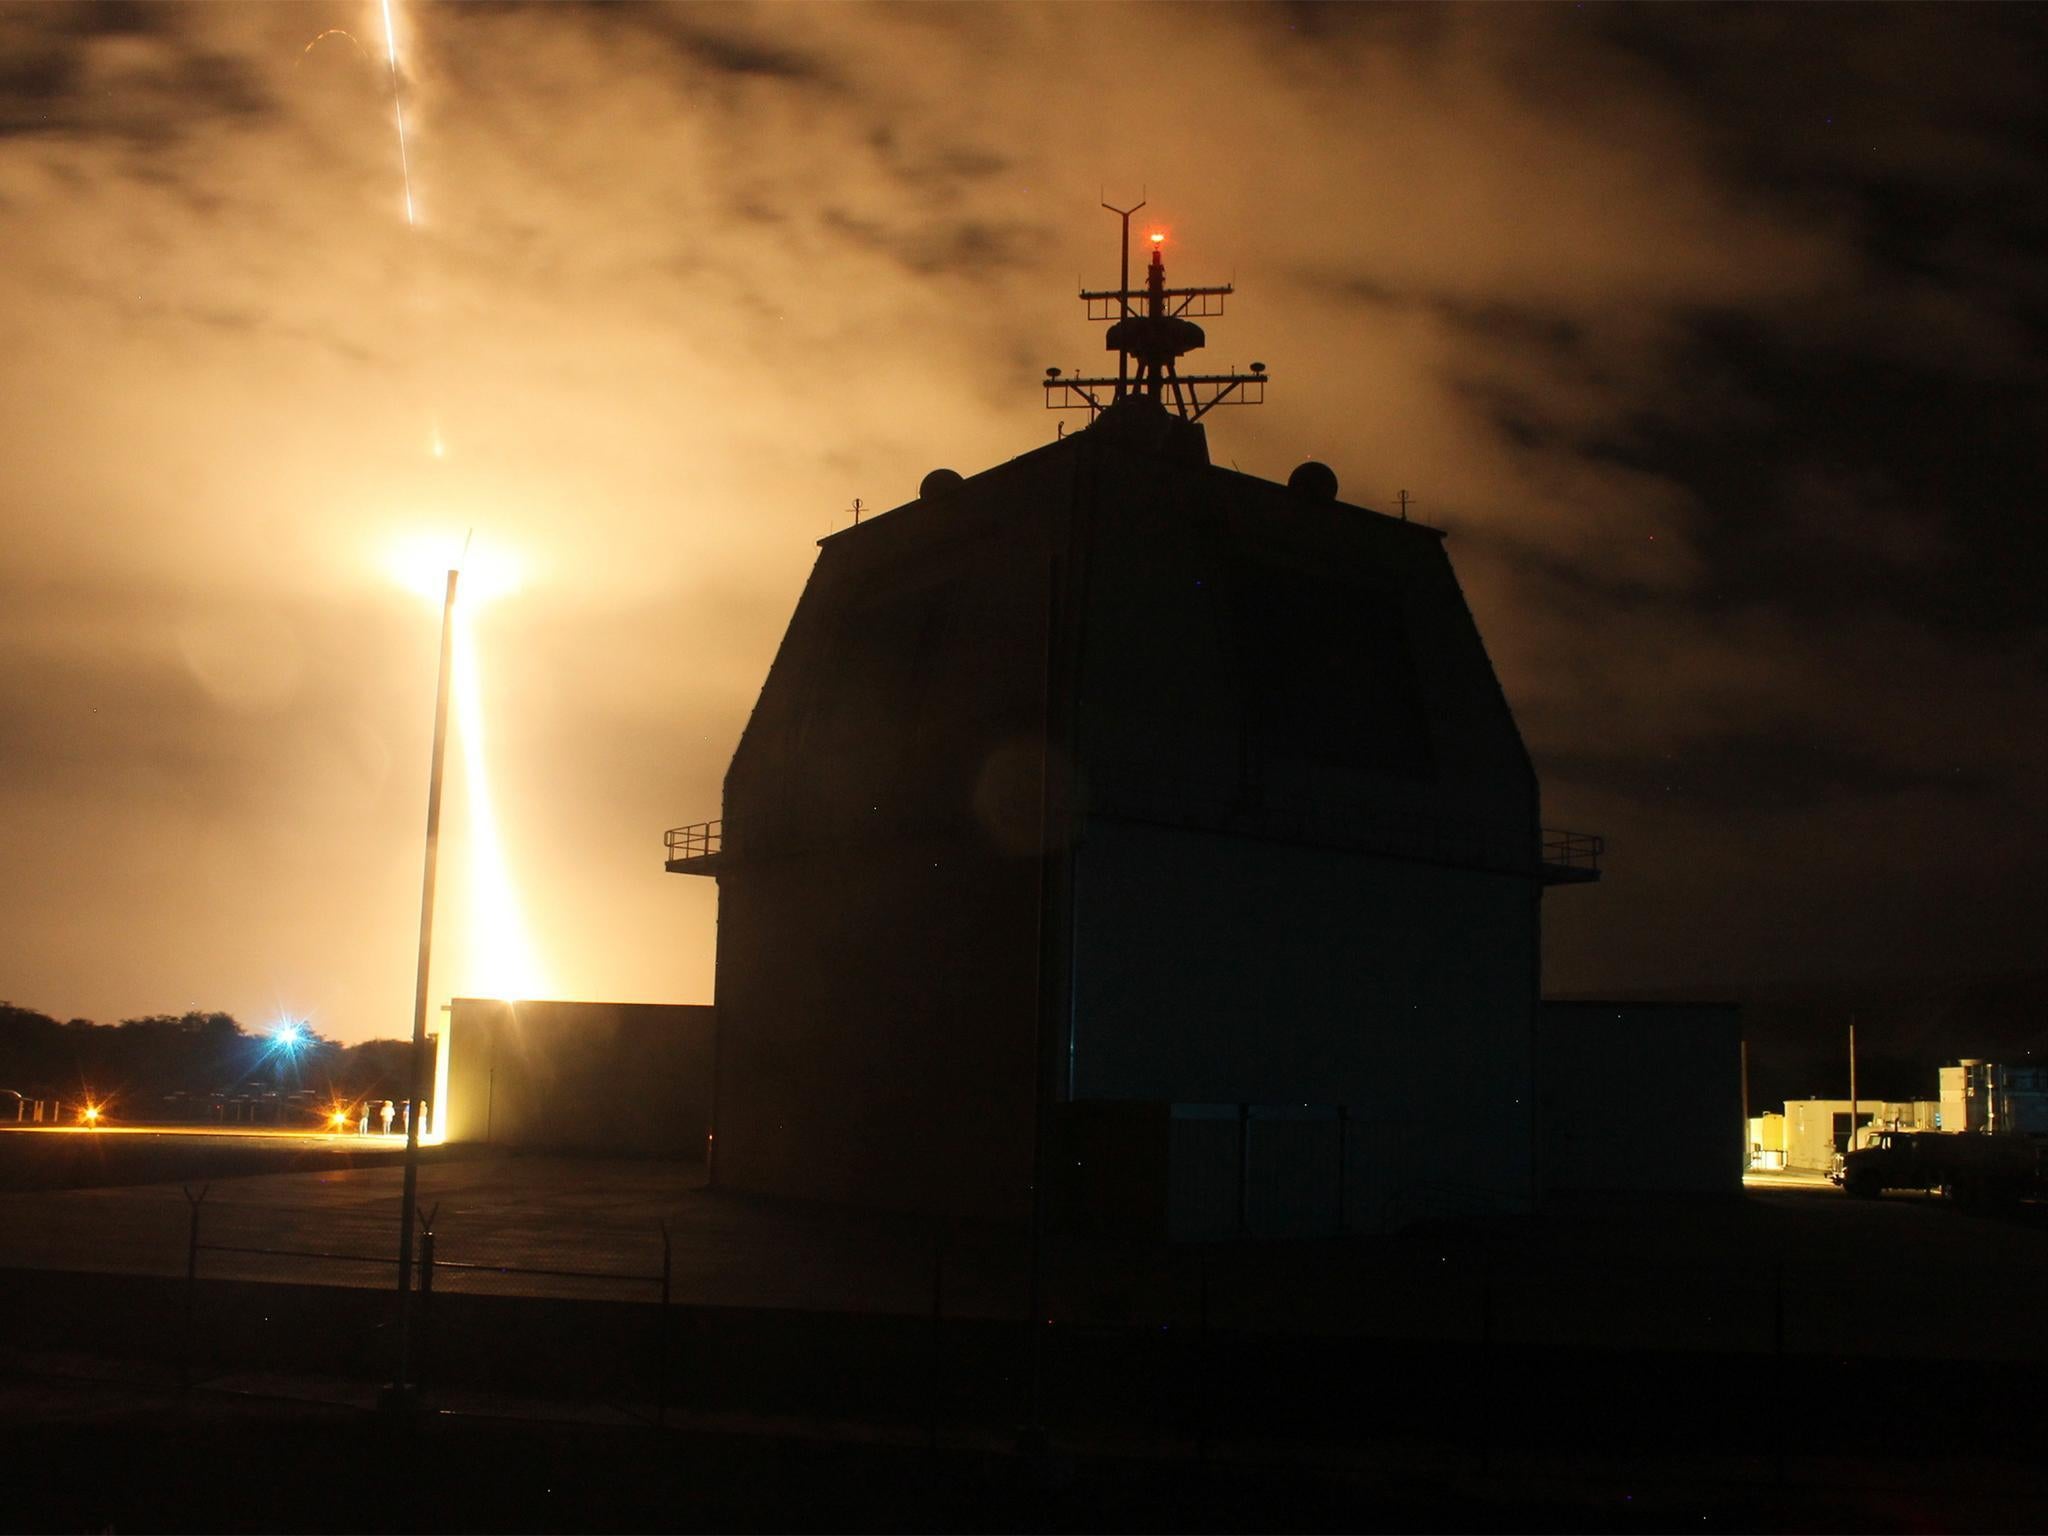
point(286, 1037)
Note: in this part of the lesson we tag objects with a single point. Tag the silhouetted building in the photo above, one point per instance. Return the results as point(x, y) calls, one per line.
point(612, 1078)
point(1639, 1098)
point(1169, 813)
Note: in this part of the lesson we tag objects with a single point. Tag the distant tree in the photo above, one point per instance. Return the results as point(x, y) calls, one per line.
point(151, 1065)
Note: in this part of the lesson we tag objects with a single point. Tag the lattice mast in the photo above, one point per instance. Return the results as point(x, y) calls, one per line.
point(1151, 329)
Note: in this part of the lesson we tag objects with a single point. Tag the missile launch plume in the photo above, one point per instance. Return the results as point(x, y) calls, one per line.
point(497, 957)
point(398, 111)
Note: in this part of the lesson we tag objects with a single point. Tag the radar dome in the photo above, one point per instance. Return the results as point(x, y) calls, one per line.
point(1316, 481)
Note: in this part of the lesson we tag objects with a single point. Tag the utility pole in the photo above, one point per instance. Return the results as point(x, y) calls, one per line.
point(399, 1394)
point(1852, 1082)
point(1742, 1047)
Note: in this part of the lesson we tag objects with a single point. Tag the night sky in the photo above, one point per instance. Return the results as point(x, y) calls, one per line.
point(1714, 338)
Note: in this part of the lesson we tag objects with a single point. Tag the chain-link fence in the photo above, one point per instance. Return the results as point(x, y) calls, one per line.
point(1451, 1349)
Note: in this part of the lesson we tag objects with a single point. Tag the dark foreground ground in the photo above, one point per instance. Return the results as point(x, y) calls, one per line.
point(104, 1457)
point(1789, 1359)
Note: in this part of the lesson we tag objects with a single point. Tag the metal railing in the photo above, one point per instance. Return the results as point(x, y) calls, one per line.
point(1436, 838)
point(1413, 832)
point(699, 840)
point(1573, 850)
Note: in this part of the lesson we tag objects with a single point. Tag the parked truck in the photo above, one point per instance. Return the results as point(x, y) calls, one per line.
point(1969, 1169)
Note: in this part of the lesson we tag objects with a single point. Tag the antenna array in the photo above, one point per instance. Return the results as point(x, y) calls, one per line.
point(1151, 329)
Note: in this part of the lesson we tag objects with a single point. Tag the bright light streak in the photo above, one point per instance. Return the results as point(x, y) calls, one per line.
point(398, 111)
point(500, 954)
point(287, 1036)
point(419, 563)
point(92, 1114)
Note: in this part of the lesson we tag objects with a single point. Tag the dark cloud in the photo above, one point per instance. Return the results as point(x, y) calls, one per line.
point(963, 250)
point(128, 73)
point(1768, 774)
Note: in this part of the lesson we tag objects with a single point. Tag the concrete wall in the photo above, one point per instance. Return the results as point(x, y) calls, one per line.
point(878, 936)
point(1267, 974)
point(881, 1052)
point(1640, 1097)
point(608, 1078)
point(1302, 866)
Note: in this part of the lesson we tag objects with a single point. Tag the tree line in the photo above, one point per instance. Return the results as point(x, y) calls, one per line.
point(149, 1065)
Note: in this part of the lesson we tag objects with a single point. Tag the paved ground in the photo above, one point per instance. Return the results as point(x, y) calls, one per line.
point(40, 1157)
point(1786, 1178)
point(1901, 1278)
point(594, 1227)
point(244, 1135)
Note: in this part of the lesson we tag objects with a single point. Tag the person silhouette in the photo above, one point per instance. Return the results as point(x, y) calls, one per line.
point(363, 1125)
point(388, 1111)
point(405, 1117)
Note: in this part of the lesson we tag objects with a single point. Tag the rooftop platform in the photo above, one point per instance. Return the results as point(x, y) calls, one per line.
point(694, 850)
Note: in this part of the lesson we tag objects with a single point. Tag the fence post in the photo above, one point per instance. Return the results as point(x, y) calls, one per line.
point(424, 1352)
point(1343, 1127)
point(1202, 1382)
point(661, 1352)
point(1244, 1169)
point(191, 1281)
point(1778, 1360)
point(938, 1343)
point(1484, 1401)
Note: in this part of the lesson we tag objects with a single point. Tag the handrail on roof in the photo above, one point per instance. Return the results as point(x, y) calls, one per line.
point(1573, 850)
point(699, 840)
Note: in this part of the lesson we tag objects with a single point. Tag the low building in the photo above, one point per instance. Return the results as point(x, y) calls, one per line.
point(1817, 1130)
point(1998, 1100)
point(624, 1079)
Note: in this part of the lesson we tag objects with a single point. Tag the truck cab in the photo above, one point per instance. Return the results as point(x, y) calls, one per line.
point(1970, 1169)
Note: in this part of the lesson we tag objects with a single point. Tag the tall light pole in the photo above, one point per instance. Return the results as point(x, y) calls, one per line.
point(1852, 1082)
point(402, 1386)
